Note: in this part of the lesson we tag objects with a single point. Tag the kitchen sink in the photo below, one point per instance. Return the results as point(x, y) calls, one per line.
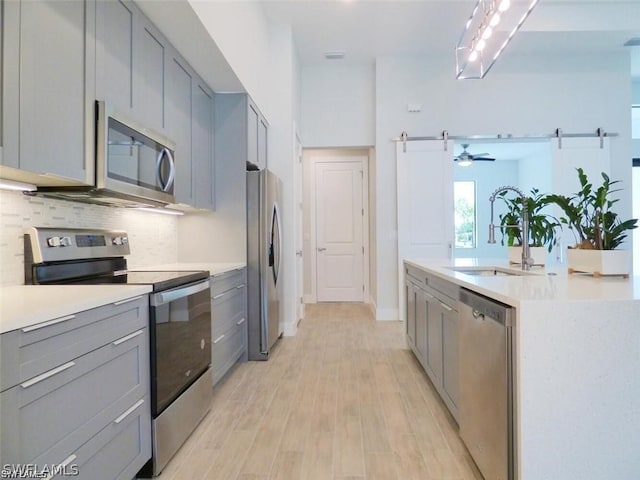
point(487, 271)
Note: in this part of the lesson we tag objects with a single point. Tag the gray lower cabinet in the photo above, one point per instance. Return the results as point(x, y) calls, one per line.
point(432, 331)
point(48, 89)
point(75, 392)
point(229, 321)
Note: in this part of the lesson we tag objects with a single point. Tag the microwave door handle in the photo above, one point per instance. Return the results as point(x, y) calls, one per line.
point(172, 169)
point(159, 159)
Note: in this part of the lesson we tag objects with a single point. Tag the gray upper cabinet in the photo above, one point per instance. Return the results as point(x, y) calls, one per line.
point(179, 113)
point(115, 34)
point(203, 165)
point(48, 89)
point(257, 128)
point(151, 52)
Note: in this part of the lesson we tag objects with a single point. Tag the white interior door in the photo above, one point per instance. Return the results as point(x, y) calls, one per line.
point(425, 203)
point(339, 239)
point(578, 152)
point(298, 220)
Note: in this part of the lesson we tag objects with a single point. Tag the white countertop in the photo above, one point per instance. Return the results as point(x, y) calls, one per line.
point(24, 305)
point(538, 284)
point(213, 267)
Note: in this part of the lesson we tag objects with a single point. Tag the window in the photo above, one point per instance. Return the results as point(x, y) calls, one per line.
point(464, 197)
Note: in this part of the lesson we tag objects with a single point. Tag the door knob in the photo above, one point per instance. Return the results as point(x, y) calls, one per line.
point(321, 249)
point(298, 253)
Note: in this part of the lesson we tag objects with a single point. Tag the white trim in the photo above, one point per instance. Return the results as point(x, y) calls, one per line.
point(290, 329)
point(315, 157)
point(387, 315)
point(372, 307)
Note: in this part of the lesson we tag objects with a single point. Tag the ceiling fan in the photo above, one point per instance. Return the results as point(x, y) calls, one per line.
point(465, 158)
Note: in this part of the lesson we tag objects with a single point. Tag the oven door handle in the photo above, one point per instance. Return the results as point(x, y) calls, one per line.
point(161, 298)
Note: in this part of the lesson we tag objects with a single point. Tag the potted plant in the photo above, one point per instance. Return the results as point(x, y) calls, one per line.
point(541, 226)
point(597, 229)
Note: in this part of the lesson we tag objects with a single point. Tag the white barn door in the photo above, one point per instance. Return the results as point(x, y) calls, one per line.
point(425, 203)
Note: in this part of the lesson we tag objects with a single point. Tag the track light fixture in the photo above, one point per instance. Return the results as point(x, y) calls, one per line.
point(489, 29)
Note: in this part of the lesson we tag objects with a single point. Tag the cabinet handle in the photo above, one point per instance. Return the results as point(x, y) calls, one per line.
point(218, 339)
point(220, 295)
point(122, 302)
point(128, 411)
point(240, 286)
point(66, 462)
point(128, 337)
point(240, 322)
point(46, 375)
point(216, 275)
point(446, 307)
point(46, 324)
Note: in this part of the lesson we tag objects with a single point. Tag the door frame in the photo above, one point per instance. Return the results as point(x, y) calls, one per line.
point(312, 157)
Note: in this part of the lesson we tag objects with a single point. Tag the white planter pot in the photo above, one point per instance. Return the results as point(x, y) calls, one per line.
point(539, 255)
point(599, 262)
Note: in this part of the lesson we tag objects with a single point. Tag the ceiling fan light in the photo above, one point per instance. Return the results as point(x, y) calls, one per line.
point(480, 45)
point(487, 33)
point(466, 162)
point(495, 20)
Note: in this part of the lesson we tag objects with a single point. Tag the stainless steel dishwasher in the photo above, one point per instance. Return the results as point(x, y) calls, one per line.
point(486, 409)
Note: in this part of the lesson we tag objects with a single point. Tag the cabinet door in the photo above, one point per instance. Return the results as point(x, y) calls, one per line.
point(115, 22)
point(253, 119)
point(149, 62)
point(202, 154)
point(179, 104)
point(450, 355)
point(411, 314)
point(434, 341)
point(46, 91)
point(262, 143)
point(422, 317)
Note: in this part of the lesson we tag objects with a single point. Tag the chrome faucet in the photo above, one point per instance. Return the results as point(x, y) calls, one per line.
point(527, 261)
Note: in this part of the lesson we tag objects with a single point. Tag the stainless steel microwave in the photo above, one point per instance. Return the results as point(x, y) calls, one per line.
point(131, 159)
point(134, 166)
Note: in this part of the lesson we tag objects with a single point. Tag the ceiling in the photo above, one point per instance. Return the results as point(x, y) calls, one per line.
point(366, 29)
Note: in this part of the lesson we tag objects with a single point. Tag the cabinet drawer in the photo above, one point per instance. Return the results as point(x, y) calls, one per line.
point(30, 351)
point(120, 449)
point(223, 282)
point(416, 275)
point(228, 310)
point(227, 351)
point(46, 417)
point(448, 289)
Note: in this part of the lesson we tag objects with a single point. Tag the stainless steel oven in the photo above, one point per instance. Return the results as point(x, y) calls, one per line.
point(179, 323)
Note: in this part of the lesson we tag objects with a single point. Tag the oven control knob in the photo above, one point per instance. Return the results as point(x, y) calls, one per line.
point(53, 241)
point(65, 241)
point(125, 240)
point(117, 240)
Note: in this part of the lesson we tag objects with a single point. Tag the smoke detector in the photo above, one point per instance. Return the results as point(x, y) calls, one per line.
point(334, 55)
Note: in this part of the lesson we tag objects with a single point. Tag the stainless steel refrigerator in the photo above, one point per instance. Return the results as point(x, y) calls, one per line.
point(264, 253)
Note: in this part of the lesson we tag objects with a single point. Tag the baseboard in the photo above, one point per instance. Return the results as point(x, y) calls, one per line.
point(290, 329)
point(309, 298)
point(387, 314)
point(372, 307)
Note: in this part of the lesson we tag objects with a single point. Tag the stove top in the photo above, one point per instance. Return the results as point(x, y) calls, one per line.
point(158, 280)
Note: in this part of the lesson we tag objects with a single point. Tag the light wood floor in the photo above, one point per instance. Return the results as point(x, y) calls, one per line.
point(343, 400)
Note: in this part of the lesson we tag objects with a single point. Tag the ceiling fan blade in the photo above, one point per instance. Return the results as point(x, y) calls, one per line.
point(477, 155)
point(483, 159)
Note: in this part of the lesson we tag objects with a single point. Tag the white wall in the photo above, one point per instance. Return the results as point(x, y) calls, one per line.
point(338, 105)
point(524, 95)
point(153, 236)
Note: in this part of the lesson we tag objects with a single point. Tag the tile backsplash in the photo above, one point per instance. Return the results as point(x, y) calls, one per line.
point(153, 237)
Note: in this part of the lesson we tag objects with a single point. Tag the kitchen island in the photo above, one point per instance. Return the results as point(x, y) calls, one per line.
point(576, 360)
